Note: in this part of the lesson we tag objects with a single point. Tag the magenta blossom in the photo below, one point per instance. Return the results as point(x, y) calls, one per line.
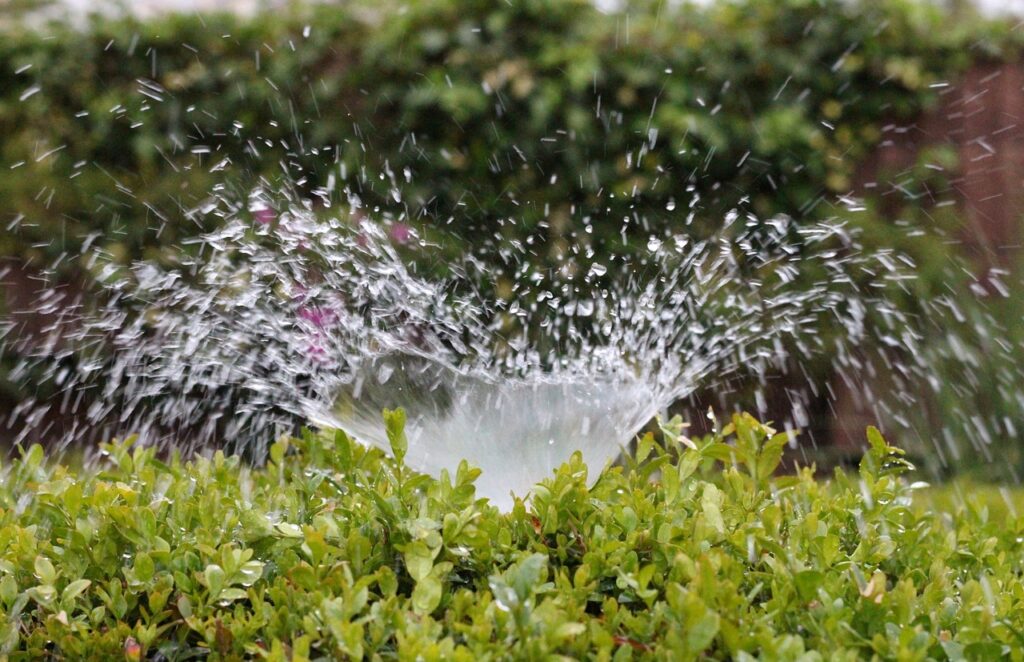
point(400, 233)
point(264, 215)
point(318, 316)
point(316, 352)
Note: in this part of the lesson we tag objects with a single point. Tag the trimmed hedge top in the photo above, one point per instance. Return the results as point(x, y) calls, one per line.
point(691, 549)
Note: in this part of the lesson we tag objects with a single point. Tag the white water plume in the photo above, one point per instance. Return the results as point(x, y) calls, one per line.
point(303, 314)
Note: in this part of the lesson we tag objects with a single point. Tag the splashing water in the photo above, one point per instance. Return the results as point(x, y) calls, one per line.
point(515, 431)
point(288, 313)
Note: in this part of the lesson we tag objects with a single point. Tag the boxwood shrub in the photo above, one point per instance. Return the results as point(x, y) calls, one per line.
point(687, 549)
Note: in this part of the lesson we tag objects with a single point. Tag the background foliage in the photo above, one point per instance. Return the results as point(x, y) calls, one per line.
point(483, 123)
point(475, 112)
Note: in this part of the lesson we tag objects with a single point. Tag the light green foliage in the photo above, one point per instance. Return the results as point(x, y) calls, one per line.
point(336, 551)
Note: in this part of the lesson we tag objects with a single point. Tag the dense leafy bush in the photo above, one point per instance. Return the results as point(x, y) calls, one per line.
point(332, 550)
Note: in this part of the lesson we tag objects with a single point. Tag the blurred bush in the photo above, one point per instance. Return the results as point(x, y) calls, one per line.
point(462, 113)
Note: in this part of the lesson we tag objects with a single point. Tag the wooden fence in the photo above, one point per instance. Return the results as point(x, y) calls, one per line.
point(982, 119)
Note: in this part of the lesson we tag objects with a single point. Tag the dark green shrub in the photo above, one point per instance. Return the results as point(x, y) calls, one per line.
point(548, 113)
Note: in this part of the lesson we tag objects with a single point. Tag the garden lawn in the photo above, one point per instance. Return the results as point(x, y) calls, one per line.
point(335, 551)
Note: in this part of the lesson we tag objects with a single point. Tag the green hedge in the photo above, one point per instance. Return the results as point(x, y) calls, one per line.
point(332, 551)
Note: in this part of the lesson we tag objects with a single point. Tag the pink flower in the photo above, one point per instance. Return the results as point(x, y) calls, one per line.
point(316, 352)
point(318, 316)
point(400, 232)
point(264, 216)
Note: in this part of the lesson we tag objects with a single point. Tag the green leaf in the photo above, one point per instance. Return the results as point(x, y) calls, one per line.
point(710, 504)
point(334, 615)
point(427, 595)
point(807, 583)
point(387, 581)
point(34, 456)
point(688, 463)
point(721, 452)
point(883, 459)
point(419, 560)
point(289, 530)
point(702, 632)
point(231, 594)
point(44, 595)
point(394, 425)
point(526, 575)
point(144, 568)
point(878, 443)
point(771, 455)
point(980, 651)
point(504, 595)
point(278, 450)
point(343, 446)
point(45, 572)
point(249, 573)
point(644, 447)
point(214, 579)
point(184, 606)
point(73, 590)
point(701, 624)
point(954, 651)
point(569, 630)
point(8, 590)
point(672, 430)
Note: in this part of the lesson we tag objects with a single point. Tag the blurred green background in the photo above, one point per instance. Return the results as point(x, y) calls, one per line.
point(455, 116)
